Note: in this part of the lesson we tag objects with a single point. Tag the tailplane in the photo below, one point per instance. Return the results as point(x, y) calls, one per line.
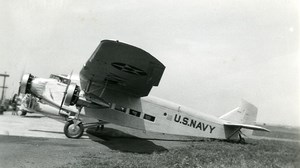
point(243, 116)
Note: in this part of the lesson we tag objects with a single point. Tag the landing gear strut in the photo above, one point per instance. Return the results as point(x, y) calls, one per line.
point(74, 127)
point(241, 140)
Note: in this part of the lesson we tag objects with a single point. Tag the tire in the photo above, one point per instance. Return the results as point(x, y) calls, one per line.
point(73, 133)
point(242, 141)
point(23, 113)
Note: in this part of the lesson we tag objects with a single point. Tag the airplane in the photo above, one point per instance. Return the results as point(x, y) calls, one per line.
point(114, 87)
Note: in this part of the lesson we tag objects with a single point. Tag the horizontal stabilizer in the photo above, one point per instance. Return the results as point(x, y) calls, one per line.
point(252, 127)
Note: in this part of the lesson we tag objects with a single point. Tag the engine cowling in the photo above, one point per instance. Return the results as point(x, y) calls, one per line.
point(25, 83)
point(72, 95)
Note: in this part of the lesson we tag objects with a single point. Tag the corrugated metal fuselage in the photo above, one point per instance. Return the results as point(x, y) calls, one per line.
point(157, 115)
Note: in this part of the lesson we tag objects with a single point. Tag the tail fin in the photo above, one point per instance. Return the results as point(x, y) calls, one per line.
point(241, 117)
point(246, 113)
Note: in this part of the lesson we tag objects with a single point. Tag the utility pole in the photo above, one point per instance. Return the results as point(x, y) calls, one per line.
point(5, 75)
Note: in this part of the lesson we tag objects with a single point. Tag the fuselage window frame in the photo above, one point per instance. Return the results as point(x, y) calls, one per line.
point(135, 113)
point(149, 117)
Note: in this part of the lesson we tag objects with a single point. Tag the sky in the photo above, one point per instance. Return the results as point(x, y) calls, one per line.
point(215, 52)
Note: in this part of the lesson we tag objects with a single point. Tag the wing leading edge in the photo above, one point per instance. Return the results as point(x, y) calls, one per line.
point(121, 67)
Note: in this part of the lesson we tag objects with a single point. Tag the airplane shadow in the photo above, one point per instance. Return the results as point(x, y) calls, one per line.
point(55, 132)
point(32, 116)
point(118, 140)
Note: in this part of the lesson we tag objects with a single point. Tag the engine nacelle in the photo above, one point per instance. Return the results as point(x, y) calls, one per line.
point(72, 95)
point(25, 83)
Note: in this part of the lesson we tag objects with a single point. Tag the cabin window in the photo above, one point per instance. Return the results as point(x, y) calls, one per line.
point(61, 79)
point(149, 117)
point(135, 113)
point(122, 109)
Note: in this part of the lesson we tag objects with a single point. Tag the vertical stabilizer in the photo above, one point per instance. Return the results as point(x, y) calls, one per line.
point(246, 113)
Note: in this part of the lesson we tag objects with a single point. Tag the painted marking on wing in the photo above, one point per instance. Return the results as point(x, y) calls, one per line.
point(129, 69)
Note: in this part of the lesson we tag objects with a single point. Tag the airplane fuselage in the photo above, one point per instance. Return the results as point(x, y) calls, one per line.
point(157, 115)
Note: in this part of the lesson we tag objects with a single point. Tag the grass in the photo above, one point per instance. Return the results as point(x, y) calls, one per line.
point(210, 154)
point(279, 132)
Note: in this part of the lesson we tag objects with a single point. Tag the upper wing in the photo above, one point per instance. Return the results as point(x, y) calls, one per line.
point(120, 67)
point(252, 127)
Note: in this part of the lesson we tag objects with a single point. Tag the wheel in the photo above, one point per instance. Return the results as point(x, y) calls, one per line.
point(101, 127)
point(72, 131)
point(242, 141)
point(23, 113)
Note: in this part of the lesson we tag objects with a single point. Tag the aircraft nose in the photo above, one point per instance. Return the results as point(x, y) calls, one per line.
point(32, 85)
point(25, 83)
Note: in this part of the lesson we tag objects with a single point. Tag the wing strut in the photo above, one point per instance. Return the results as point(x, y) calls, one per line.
point(103, 90)
point(65, 93)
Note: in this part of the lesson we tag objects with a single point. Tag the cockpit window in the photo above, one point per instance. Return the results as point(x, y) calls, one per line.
point(60, 79)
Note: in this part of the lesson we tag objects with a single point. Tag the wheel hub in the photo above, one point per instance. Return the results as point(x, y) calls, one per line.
point(74, 130)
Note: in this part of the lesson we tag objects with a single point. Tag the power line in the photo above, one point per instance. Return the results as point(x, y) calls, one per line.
point(5, 75)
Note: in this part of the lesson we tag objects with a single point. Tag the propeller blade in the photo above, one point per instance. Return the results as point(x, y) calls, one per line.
point(65, 93)
point(23, 72)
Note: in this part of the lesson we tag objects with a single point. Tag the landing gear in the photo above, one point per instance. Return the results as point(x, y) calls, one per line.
point(73, 129)
point(101, 127)
point(241, 139)
point(237, 136)
point(23, 112)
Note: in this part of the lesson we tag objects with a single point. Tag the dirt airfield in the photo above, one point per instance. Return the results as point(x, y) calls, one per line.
point(38, 141)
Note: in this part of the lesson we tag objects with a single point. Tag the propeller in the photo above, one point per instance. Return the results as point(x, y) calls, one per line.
point(65, 93)
point(19, 90)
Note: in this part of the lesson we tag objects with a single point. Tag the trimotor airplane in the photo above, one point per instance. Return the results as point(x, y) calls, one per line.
point(114, 87)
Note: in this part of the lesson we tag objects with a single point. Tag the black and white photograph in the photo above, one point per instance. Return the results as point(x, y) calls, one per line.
point(134, 84)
